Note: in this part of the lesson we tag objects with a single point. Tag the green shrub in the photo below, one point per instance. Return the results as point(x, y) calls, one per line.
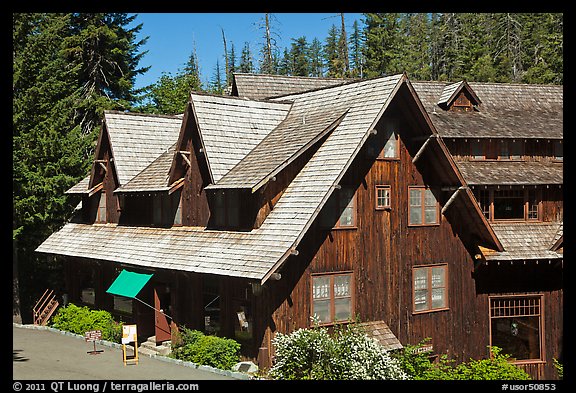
point(419, 366)
point(559, 368)
point(79, 320)
point(196, 347)
point(348, 354)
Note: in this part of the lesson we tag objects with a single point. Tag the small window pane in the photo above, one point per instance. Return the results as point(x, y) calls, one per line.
point(477, 150)
point(438, 277)
point(322, 310)
point(123, 304)
point(420, 279)
point(382, 197)
point(320, 287)
point(516, 149)
point(415, 215)
point(343, 309)
point(342, 285)
point(219, 210)
point(178, 215)
point(347, 199)
point(421, 300)
point(438, 298)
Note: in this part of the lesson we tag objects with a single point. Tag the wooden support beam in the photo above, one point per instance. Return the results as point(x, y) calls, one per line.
point(95, 189)
point(421, 150)
point(176, 185)
point(183, 154)
point(103, 166)
point(452, 197)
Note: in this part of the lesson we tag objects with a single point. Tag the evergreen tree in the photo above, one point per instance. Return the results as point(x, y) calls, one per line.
point(332, 54)
point(246, 63)
point(107, 54)
point(315, 55)
point(356, 51)
point(382, 40)
point(299, 57)
point(285, 65)
point(217, 85)
point(67, 68)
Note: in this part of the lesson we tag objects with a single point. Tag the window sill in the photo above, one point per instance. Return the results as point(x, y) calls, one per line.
point(343, 228)
point(430, 311)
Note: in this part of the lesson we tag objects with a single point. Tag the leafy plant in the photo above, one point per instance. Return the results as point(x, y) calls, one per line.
point(194, 346)
point(347, 354)
point(559, 368)
point(79, 320)
point(419, 366)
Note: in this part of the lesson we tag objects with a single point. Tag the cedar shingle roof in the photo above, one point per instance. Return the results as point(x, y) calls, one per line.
point(260, 86)
point(154, 177)
point(526, 240)
point(231, 127)
point(255, 254)
point(138, 139)
point(380, 331)
point(507, 111)
point(511, 172)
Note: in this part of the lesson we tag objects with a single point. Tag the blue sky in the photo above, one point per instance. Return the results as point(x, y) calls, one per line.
point(172, 37)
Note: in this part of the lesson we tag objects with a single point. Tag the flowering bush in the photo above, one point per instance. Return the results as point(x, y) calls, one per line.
point(348, 354)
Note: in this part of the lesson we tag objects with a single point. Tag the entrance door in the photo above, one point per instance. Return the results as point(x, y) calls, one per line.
point(162, 301)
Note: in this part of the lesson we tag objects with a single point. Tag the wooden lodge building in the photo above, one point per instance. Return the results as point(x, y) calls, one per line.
point(421, 209)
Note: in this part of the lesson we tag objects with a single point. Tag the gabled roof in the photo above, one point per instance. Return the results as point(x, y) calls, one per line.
point(451, 91)
point(304, 125)
point(231, 127)
point(138, 139)
point(260, 86)
point(508, 111)
point(258, 253)
point(154, 177)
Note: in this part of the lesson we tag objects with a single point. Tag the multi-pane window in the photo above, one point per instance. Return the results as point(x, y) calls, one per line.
point(483, 197)
point(514, 203)
point(332, 297)
point(423, 207)
point(382, 197)
point(511, 149)
point(509, 204)
point(101, 212)
point(430, 288)
point(516, 326)
point(343, 201)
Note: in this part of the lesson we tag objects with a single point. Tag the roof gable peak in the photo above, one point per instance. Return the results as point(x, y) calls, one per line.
point(459, 96)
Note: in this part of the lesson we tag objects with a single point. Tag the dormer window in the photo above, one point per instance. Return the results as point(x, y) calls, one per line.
point(226, 209)
point(459, 96)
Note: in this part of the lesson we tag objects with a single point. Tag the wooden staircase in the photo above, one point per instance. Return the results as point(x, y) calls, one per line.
point(44, 308)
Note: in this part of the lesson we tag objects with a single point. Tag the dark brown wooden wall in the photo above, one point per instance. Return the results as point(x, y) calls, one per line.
point(381, 252)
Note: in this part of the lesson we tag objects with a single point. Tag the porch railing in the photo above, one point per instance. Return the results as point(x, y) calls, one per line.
point(44, 308)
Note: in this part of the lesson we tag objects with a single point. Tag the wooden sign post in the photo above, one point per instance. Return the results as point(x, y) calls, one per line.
point(93, 335)
point(129, 335)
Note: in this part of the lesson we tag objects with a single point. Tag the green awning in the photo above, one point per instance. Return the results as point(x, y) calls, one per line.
point(128, 284)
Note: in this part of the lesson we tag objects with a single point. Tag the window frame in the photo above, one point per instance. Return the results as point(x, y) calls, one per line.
point(557, 147)
point(99, 219)
point(423, 205)
point(389, 134)
point(508, 144)
point(541, 322)
point(385, 187)
point(528, 207)
point(332, 298)
point(430, 288)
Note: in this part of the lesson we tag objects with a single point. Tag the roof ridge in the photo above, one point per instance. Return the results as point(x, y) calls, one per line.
point(160, 115)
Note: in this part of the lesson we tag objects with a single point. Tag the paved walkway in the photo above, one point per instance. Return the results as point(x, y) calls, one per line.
point(47, 354)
